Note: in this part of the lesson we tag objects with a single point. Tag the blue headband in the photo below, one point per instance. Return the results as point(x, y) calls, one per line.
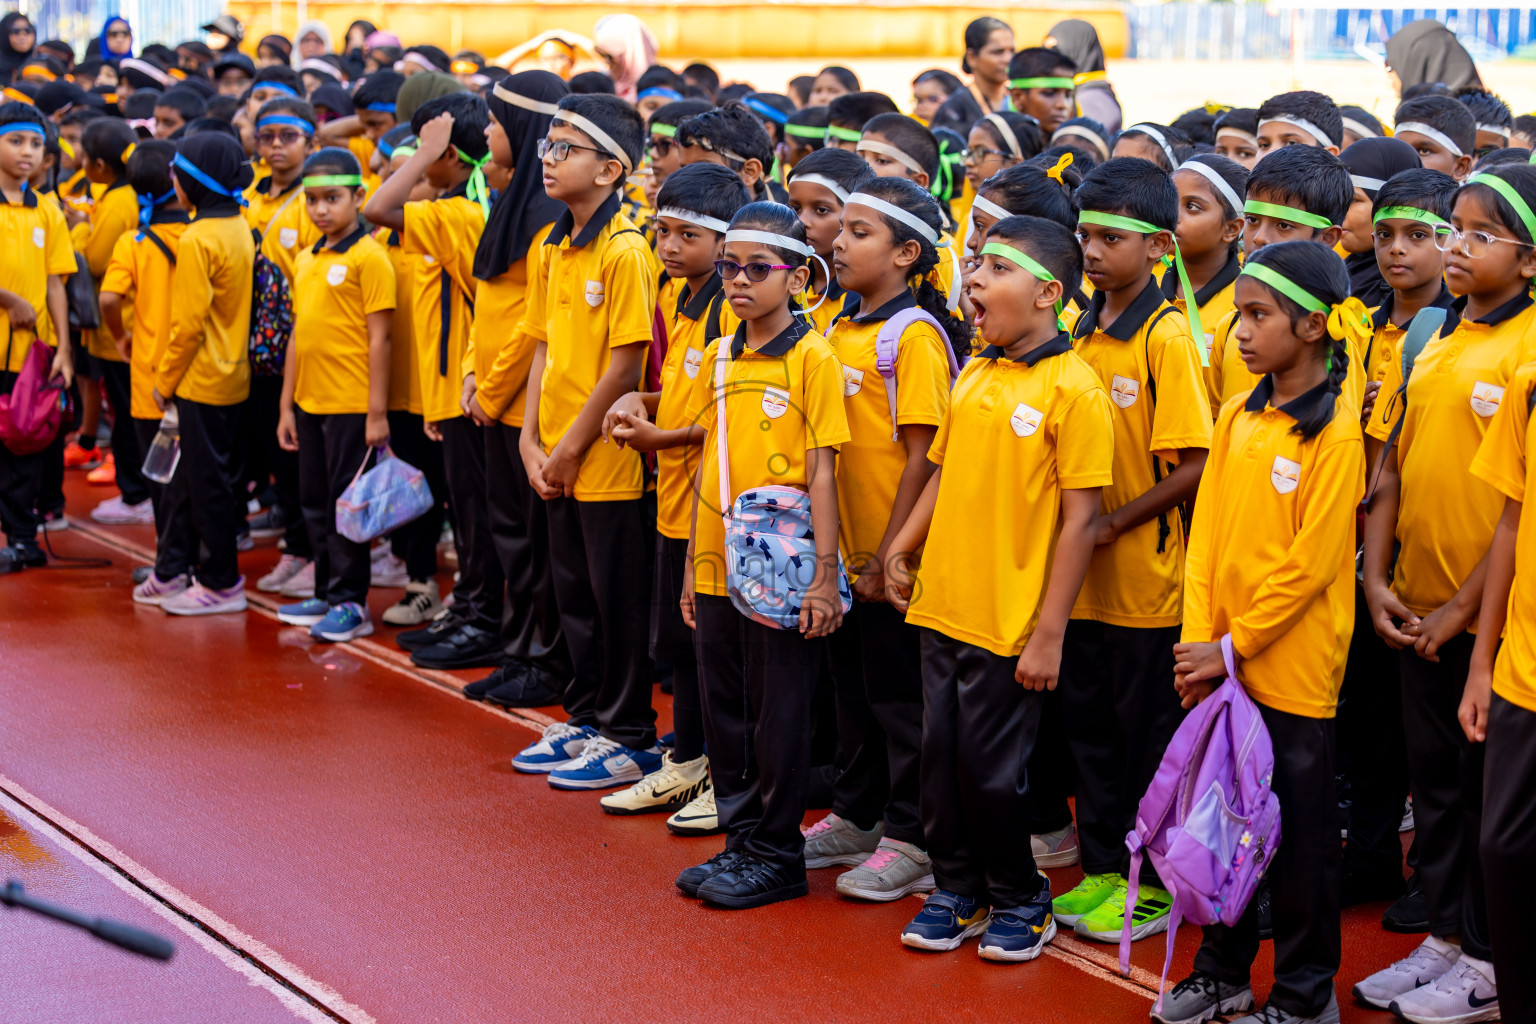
point(21, 126)
point(385, 148)
point(194, 172)
point(772, 114)
point(147, 204)
point(284, 119)
point(382, 108)
point(279, 86)
point(659, 90)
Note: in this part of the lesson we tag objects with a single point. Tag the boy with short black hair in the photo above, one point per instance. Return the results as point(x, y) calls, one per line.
point(896, 146)
point(848, 114)
point(1300, 118)
point(1441, 130)
point(1403, 217)
point(1041, 84)
point(177, 108)
point(1118, 651)
point(1492, 117)
point(733, 137)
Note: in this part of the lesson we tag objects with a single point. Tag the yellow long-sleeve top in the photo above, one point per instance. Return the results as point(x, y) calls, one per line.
point(207, 357)
point(116, 212)
point(499, 354)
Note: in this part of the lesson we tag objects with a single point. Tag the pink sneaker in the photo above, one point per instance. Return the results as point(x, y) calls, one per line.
point(154, 590)
point(117, 512)
point(200, 600)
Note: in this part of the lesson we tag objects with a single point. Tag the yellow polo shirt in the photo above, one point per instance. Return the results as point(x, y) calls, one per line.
point(1015, 435)
point(443, 234)
point(404, 385)
point(207, 358)
point(139, 269)
point(1214, 301)
point(1149, 365)
point(35, 240)
point(1228, 376)
point(822, 313)
point(1272, 551)
point(113, 215)
point(334, 290)
point(1387, 337)
point(289, 232)
point(499, 353)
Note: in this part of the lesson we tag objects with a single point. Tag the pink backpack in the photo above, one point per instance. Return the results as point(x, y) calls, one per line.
point(32, 414)
point(1209, 820)
point(888, 344)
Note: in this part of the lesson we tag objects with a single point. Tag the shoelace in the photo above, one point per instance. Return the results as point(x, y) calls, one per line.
point(882, 858)
point(1422, 956)
point(1452, 978)
point(560, 731)
point(598, 749)
point(1205, 983)
point(824, 825)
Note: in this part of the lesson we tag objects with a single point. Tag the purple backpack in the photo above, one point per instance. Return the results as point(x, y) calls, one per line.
point(888, 345)
point(1209, 821)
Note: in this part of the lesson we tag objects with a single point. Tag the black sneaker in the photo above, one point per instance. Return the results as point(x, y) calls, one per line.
point(21, 554)
point(431, 633)
point(268, 523)
point(1266, 912)
point(691, 878)
point(1410, 914)
point(480, 687)
point(525, 687)
point(753, 883)
point(466, 647)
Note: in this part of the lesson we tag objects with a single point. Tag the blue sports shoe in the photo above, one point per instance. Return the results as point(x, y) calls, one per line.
point(561, 744)
point(345, 621)
point(605, 764)
point(305, 613)
point(1016, 934)
point(946, 920)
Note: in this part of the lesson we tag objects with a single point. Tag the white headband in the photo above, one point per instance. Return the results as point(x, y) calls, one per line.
point(415, 58)
point(1221, 185)
point(1248, 137)
point(825, 182)
point(1083, 133)
point(989, 208)
point(690, 217)
point(1369, 184)
point(1430, 132)
point(884, 149)
point(1494, 129)
point(146, 68)
point(599, 136)
point(769, 238)
point(525, 102)
point(1362, 130)
point(319, 66)
point(911, 220)
point(1302, 123)
point(1012, 140)
point(1159, 138)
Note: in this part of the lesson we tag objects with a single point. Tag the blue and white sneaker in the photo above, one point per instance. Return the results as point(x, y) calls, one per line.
point(605, 764)
point(345, 621)
point(946, 920)
point(561, 744)
point(305, 613)
point(1016, 934)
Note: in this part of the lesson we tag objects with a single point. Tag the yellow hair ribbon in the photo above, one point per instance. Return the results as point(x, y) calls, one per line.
point(128, 151)
point(1350, 322)
point(1216, 109)
point(1061, 165)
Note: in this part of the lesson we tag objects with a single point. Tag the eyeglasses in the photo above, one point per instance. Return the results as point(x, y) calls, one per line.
point(757, 273)
point(113, 33)
point(23, 30)
point(1473, 244)
point(659, 149)
point(981, 154)
point(559, 150)
point(289, 138)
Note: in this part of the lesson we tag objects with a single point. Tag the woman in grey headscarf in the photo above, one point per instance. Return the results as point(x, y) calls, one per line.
point(1425, 52)
point(1079, 42)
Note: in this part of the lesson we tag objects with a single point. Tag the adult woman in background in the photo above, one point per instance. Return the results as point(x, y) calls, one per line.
point(1079, 42)
point(988, 49)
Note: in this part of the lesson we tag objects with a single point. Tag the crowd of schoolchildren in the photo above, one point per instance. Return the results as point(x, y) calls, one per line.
point(988, 423)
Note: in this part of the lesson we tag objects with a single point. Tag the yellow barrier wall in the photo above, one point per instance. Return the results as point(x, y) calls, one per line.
point(702, 28)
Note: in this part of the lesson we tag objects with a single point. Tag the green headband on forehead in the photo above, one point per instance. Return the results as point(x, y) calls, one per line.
point(1507, 190)
point(339, 180)
point(1287, 213)
point(1408, 213)
point(1141, 227)
point(1024, 260)
point(666, 131)
point(844, 134)
point(1285, 286)
point(1042, 83)
point(804, 131)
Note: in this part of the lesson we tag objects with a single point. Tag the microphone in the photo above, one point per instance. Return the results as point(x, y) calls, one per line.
point(124, 936)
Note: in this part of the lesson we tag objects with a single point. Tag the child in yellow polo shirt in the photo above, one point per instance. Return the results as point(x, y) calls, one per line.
point(1027, 438)
point(770, 400)
point(32, 304)
point(1441, 519)
point(896, 146)
point(693, 208)
point(205, 371)
point(1211, 191)
point(890, 231)
point(818, 187)
point(336, 386)
point(1271, 565)
point(1120, 712)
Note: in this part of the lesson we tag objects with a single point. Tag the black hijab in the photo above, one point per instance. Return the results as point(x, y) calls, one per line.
point(1370, 161)
point(11, 59)
point(220, 158)
point(522, 209)
point(1078, 41)
point(1425, 51)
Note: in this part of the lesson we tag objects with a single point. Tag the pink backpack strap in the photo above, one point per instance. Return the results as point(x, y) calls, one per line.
point(888, 345)
point(722, 361)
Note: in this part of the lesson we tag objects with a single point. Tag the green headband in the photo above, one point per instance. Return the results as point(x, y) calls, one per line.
point(324, 180)
point(1024, 260)
point(476, 189)
point(1042, 83)
point(666, 131)
point(1506, 190)
point(409, 151)
point(805, 131)
point(843, 134)
point(1407, 213)
point(1285, 286)
point(1287, 213)
point(1141, 227)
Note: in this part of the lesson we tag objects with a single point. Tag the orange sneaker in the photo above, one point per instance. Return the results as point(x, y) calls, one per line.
point(76, 457)
point(104, 475)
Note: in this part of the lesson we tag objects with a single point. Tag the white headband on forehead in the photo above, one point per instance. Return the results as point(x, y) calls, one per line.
point(1221, 184)
point(1302, 123)
point(767, 238)
point(989, 208)
point(1238, 133)
point(1083, 133)
point(1494, 129)
point(1363, 130)
point(825, 182)
point(885, 149)
point(911, 220)
point(688, 216)
point(599, 136)
point(415, 58)
point(525, 102)
point(320, 67)
point(1159, 138)
point(1430, 132)
point(1369, 184)
point(1010, 139)
point(146, 68)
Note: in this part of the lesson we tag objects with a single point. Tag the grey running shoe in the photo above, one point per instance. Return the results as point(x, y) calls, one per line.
point(1272, 1014)
point(834, 841)
point(1199, 998)
point(894, 870)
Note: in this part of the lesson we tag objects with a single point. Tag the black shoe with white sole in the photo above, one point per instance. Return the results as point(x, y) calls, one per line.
point(753, 883)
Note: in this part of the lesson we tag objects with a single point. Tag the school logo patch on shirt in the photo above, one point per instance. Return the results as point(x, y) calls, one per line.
point(1285, 474)
point(1486, 398)
point(853, 381)
point(1123, 391)
point(428, 260)
point(595, 294)
point(1025, 419)
point(287, 237)
point(335, 274)
point(692, 360)
point(775, 402)
point(39, 237)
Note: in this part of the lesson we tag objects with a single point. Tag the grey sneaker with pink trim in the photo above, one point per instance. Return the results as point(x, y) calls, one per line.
point(200, 600)
point(154, 590)
point(894, 870)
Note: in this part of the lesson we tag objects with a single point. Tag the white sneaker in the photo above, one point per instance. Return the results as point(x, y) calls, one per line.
point(1465, 993)
point(1407, 824)
point(1055, 849)
point(286, 569)
point(300, 584)
point(1432, 958)
point(560, 744)
point(117, 512)
point(200, 600)
point(669, 789)
point(388, 571)
point(420, 604)
point(699, 818)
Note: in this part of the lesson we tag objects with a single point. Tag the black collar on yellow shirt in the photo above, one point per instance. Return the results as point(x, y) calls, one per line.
point(1225, 276)
point(343, 245)
point(1383, 314)
point(693, 306)
point(1296, 408)
point(264, 186)
point(1127, 323)
point(1057, 346)
point(563, 224)
point(780, 345)
point(850, 311)
point(1511, 309)
point(28, 196)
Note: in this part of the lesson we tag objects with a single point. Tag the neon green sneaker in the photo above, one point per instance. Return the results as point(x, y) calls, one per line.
point(1148, 917)
point(1070, 906)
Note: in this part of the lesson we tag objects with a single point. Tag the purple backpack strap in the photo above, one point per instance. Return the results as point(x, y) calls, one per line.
point(888, 345)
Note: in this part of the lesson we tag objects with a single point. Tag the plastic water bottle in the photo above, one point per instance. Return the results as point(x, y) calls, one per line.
point(165, 450)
